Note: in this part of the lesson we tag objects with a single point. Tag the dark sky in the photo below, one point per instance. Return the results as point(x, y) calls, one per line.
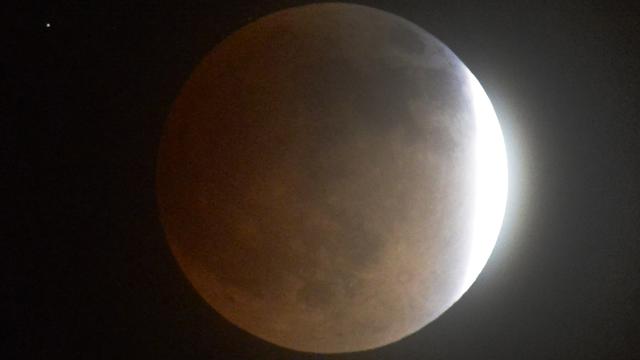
point(87, 273)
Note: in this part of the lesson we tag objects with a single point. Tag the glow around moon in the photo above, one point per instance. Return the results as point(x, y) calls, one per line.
point(332, 178)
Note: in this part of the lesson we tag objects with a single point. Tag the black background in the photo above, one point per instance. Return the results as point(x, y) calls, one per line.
point(86, 272)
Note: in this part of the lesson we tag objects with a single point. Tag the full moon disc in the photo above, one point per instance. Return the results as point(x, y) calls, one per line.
point(332, 178)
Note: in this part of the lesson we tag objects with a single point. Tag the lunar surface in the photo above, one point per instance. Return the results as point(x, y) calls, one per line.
point(332, 178)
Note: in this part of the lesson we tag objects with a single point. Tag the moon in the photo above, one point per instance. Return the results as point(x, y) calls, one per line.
point(331, 178)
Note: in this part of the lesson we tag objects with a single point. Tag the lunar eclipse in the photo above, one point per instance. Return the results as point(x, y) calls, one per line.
point(331, 178)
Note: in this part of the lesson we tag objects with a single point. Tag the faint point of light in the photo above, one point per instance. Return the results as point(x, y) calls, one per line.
point(47, 25)
point(490, 182)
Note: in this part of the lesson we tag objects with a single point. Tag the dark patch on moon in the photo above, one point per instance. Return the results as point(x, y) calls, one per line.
point(316, 293)
point(407, 39)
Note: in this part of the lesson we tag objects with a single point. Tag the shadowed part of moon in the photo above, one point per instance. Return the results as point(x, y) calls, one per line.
point(315, 180)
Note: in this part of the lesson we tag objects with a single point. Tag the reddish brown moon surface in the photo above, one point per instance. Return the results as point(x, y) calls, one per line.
point(316, 178)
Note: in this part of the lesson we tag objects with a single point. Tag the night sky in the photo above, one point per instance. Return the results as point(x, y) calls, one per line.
point(86, 271)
